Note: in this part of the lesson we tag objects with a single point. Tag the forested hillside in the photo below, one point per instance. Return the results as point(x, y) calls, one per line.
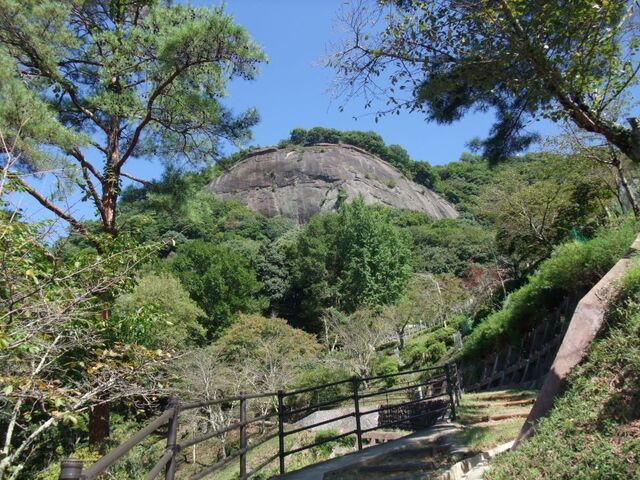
point(166, 289)
point(213, 271)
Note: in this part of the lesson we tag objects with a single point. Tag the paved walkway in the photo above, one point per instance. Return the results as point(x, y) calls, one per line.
point(415, 440)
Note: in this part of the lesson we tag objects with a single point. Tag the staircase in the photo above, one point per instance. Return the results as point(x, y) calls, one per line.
point(410, 457)
point(446, 451)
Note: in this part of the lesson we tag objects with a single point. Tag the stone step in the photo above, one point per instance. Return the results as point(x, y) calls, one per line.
point(498, 396)
point(512, 403)
point(497, 417)
point(385, 471)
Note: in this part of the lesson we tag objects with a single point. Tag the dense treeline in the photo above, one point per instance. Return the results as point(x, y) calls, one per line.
point(230, 260)
point(171, 291)
point(213, 271)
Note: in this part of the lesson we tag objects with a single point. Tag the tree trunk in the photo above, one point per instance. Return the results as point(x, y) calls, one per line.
point(98, 423)
point(401, 337)
point(111, 183)
point(99, 415)
point(109, 204)
point(633, 201)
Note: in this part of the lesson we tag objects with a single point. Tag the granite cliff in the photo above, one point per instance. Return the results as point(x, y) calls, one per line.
point(298, 182)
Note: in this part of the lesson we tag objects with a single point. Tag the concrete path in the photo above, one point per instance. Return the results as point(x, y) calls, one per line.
point(317, 472)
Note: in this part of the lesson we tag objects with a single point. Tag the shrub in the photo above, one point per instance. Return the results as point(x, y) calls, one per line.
point(325, 449)
point(413, 354)
point(570, 272)
point(319, 374)
point(386, 365)
point(591, 433)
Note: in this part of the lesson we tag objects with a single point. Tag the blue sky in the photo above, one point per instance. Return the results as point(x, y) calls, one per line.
point(292, 90)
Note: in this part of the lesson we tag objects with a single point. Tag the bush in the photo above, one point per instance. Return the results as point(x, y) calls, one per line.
point(591, 433)
point(319, 374)
point(325, 449)
point(570, 272)
point(157, 313)
point(413, 354)
point(429, 353)
point(386, 365)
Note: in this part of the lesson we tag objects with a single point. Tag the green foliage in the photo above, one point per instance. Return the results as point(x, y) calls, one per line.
point(324, 450)
point(27, 121)
point(353, 258)
point(142, 78)
point(57, 354)
point(570, 272)
point(373, 259)
point(428, 349)
point(313, 273)
point(178, 204)
point(461, 182)
point(386, 365)
point(158, 313)
point(450, 246)
point(263, 354)
point(319, 373)
point(537, 204)
point(273, 267)
point(221, 281)
point(136, 464)
point(591, 432)
point(270, 338)
point(520, 58)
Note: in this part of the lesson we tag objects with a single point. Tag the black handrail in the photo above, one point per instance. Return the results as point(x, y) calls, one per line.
point(315, 387)
point(315, 406)
point(449, 376)
point(110, 458)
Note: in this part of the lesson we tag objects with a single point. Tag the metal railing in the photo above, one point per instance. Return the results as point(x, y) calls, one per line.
point(407, 400)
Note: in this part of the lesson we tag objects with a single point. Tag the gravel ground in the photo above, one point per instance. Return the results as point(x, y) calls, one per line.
point(344, 425)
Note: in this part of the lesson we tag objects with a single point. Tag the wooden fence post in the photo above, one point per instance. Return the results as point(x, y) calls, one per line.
point(243, 436)
point(356, 406)
point(281, 430)
point(457, 387)
point(172, 438)
point(447, 371)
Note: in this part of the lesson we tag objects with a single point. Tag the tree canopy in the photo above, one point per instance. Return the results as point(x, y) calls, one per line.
point(521, 58)
point(134, 78)
point(350, 259)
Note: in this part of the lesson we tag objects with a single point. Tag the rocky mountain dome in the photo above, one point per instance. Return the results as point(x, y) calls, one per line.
point(298, 182)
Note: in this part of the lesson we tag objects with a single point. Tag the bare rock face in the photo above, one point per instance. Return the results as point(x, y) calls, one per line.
point(299, 182)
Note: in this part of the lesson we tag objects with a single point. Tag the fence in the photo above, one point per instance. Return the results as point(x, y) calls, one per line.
point(412, 400)
point(525, 365)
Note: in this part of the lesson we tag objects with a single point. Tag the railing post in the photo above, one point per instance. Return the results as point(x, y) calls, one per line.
point(447, 370)
point(458, 384)
point(455, 376)
point(281, 430)
point(356, 406)
point(71, 469)
point(243, 436)
point(172, 438)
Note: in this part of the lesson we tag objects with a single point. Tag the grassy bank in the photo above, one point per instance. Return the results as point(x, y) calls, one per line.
point(593, 431)
point(570, 272)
